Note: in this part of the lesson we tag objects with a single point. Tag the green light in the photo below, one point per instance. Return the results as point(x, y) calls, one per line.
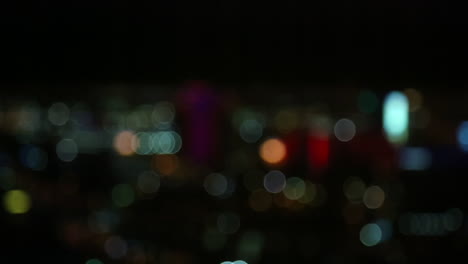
point(94, 261)
point(370, 235)
point(123, 195)
point(396, 117)
point(17, 202)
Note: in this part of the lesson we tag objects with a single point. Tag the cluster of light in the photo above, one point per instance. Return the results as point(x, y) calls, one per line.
point(273, 151)
point(345, 130)
point(396, 117)
point(7, 178)
point(274, 181)
point(462, 136)
point(228, 222)
point(386, 226)
point(162, 142)
point(66, 149)
point(58, 114)
point(370, 235)
point(16, 202)
point(148, 182)
point(354, 188)
point(367, 102)
point(123, 195)
point(374, 197)
point(115, 247)
point(415, 158)
point(260, 200)
point(431, 224)
point(295, 188)
point(33, 157)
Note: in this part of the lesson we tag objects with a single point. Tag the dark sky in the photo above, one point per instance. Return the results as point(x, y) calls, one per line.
point(84, 41)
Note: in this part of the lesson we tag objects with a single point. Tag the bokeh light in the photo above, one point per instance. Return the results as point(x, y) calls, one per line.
point(16, 202)
point(250, 246)
point(374, 197)
point(345, 130)
point(33, 157)
point(370, 235)
point(94, 261)
point(462, 136)
point(396, 117)
point(163, 115)
point(148, 182)
point(295, 188)
point(166, 142)
point(415, 158)
point(216, 184)
point(274, 181)
point(142, 143)
point(115, 247)
point(273, 151)
point(228, 222)
point(354, 188)
point(251, 130)
point(166, 164)
point(123, 195)
point(286, 120)
point(123, 142)
point(415, 99)
point(66, 149)
point(58, 114)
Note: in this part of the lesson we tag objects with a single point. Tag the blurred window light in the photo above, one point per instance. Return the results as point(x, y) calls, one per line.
point(415, 158)
point(166, 142)
point(123, 142)
point(396, 117)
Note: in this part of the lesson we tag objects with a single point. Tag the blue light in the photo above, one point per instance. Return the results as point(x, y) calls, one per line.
point(396, 117)
point(462, 136)
point(415, 158)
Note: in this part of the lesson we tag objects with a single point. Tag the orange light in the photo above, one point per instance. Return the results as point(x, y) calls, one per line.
point(166, 164)
point(123, 143)
point(273, 151)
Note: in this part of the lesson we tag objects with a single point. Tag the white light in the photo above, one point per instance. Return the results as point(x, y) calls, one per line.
point(396, 117)
point(345, 130)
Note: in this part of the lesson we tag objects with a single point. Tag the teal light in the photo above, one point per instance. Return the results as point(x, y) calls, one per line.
point(396, 117)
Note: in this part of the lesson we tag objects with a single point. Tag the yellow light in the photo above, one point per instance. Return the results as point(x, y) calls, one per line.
point(17, 202)
point(124, 143)
point(273, 151)
point(374, 197)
